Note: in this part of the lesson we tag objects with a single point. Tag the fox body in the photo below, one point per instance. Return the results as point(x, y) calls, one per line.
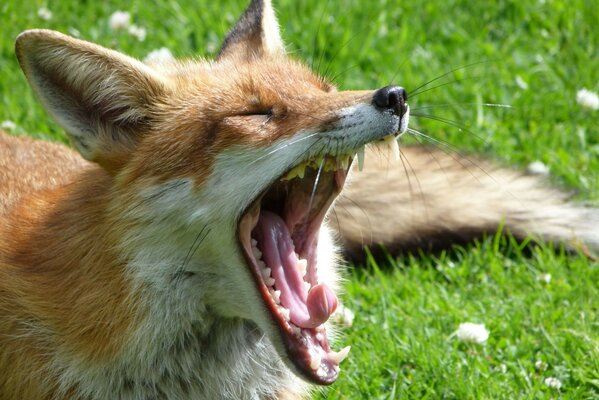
point(186, 255)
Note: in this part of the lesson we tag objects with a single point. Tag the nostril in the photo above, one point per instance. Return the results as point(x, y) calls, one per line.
point(391, 98)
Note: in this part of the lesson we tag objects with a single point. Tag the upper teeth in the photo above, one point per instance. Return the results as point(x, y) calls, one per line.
point(360, 156)
point(302, 266)
point(326, 163)
point(393, 146)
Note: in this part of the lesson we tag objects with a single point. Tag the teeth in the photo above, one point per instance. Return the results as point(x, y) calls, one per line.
point(276, 295)
point(342, 162)
point(269, 281)
point(257, 253)
point(298, 171)
point(321, 373)
point(330, 165)
point(266, 273)
point(360, 155)
point(254, 242)
point(285, 313)
point(319, 336)
point(315, 360)
point(302, 266)
point(337, 358)
point(393, 146)
point(296, 330)
point(307, 286)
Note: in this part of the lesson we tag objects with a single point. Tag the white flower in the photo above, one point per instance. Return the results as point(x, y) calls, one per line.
point(537, 168)
point(472, 333)
point(343, 316)
point(8, 125)
point(162, 55)
point(119, 20)
point(553, 383)
point(545, 278)
point(540, 365)
point(587, 99)
point(44, 13)
point(138, 32)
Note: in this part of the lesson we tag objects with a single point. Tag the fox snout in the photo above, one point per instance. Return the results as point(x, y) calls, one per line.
point(391, 98)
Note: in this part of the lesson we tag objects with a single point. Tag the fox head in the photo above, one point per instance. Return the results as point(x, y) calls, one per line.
point(222, 172)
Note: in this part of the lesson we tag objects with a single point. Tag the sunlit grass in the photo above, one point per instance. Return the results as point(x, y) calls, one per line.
point(531, 55)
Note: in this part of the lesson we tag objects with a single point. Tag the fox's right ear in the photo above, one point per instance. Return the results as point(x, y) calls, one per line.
point(103, 99)
point(255, 35)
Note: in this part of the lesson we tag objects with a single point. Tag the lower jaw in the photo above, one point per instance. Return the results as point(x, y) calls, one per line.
point(306, 350)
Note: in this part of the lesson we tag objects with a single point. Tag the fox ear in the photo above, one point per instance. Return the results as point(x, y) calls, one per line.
point(103, 99)
point(255, 35)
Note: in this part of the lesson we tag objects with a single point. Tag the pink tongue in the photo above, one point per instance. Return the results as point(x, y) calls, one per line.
point(321, 303)
point(306, 309)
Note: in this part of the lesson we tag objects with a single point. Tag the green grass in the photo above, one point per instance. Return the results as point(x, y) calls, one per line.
point(407, 309)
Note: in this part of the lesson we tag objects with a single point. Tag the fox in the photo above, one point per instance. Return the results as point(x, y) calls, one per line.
point(189, 246)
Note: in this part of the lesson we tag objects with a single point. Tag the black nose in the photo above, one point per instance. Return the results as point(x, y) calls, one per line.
point(391, 98)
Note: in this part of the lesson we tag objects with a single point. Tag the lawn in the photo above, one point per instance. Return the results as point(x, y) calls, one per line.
point(540, 305)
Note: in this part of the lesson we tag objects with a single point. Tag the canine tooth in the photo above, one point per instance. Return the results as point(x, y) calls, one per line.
point(266, 273)
point(343, 162)
point(315, 360)
point(302, 266)
point(301, 171)
point(360, 155)
point(338, 357)
point(393, 146)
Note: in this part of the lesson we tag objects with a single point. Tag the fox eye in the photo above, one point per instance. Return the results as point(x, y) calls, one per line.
point(267, 112)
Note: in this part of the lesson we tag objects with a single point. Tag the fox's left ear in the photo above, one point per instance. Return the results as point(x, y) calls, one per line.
point(104, 100)
point(255, 35)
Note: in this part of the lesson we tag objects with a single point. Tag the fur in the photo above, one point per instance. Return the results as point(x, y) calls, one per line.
point(121, 274)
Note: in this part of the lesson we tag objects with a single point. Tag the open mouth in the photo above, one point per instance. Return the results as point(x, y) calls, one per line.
point(279, 236)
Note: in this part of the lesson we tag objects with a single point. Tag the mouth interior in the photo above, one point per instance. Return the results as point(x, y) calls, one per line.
point(279, 236)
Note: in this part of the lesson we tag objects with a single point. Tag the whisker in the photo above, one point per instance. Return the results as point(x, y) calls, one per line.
point(451, 123)
point(344, 45)
point(445, 105)
point(415, 93)
point(323, 50)
point(450, 72)
point(195, 245)
point(401, 157)
point(315, 185)
point(316, 35)
point(282, 147)
point(454, 150)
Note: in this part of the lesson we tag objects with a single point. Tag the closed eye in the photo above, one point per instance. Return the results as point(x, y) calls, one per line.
point(267, 112)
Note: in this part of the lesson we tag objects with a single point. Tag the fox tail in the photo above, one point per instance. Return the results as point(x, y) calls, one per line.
point(430, 199)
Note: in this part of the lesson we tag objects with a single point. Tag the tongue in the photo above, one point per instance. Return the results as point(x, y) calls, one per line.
point(307, 308)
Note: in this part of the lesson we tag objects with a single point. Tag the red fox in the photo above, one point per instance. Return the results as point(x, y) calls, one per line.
point(186, 256)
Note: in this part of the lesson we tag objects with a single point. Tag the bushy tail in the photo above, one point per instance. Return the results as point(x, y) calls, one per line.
point(431, 199)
